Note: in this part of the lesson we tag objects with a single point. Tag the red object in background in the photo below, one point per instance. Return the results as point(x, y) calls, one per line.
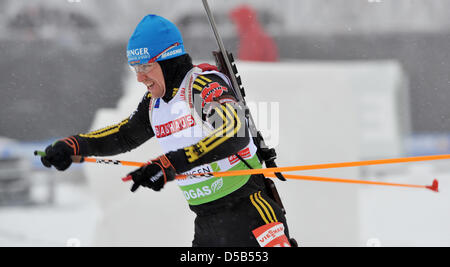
point(254, 43)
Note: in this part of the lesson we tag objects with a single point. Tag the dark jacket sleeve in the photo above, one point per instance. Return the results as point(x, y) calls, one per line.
point(119, 138)
point(216, 103)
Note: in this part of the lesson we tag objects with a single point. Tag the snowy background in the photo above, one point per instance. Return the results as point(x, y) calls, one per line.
point(355, 80)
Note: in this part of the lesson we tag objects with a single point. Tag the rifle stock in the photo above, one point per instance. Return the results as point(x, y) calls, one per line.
point(265, 154)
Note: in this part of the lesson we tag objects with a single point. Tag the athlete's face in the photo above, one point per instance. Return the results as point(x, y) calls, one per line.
point(152, 76)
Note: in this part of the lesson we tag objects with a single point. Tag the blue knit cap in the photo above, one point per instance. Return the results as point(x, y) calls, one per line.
point(154, 39)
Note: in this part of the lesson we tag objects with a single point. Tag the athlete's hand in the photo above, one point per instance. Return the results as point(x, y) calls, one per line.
point(154, 175)
point(59, 155)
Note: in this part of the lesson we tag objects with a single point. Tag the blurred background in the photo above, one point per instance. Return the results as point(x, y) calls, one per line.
point(353, 79)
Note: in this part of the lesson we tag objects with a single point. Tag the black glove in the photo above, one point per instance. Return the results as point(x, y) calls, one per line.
point(154, 175)
point(59, 154)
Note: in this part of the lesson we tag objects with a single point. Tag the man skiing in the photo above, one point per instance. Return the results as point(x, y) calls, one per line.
point(195, 116)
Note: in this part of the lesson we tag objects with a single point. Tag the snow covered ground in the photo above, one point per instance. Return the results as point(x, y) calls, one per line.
point(70, 221)
point(407, 217)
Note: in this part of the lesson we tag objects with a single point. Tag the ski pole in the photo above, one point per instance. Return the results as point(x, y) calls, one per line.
point(320, 166)
point(433, 187)
point(81, 159)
